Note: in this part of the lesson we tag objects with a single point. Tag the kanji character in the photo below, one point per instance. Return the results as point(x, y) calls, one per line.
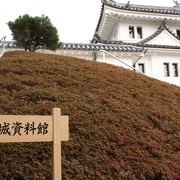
point(5, 129)
point(42, 128)
point(17, 128)
point(29, 127)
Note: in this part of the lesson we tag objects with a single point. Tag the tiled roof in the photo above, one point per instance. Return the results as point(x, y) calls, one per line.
point(8, 44)
point(142, 43)
point(160, 46)
point(138, 8)
point(100, 17)
point(116, 47)
point(96, 47)
point(90, 47)
point(142, 8)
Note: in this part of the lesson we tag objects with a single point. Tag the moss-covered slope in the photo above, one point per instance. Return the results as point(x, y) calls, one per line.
point(122, 125)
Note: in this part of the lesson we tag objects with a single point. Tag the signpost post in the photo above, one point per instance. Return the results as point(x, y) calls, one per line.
point(24, 128)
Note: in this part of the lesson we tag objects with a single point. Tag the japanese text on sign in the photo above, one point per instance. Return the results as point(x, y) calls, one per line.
point(19, 128)
point(35, 128)
point(25, 128)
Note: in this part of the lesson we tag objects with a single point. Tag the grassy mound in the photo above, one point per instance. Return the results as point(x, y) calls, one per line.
point(122, 125)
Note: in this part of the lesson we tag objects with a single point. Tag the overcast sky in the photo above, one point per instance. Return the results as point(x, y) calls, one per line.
point(75, 20)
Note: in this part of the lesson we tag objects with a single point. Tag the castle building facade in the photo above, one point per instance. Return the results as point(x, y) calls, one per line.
point(141, 37)
point(144, 37)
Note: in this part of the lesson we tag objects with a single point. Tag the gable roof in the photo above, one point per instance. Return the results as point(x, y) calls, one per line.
point(136, 8)
point(161, 28)
point(143, 43)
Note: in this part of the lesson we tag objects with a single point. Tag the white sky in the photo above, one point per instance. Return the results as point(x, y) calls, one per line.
point(75, 20)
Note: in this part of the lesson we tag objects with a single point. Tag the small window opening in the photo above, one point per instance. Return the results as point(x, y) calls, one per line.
point(131, 32)
point(166, 70)
point(175, 70)
point(139, 32)
point(141, 67)
point(178, 33)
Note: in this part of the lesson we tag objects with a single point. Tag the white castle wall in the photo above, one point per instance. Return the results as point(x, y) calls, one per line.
point(121, 31)
point(158, 69)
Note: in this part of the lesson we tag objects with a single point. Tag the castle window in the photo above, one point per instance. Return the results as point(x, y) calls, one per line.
point(175, 69)
point(141, 67)
point(166, 70)
point(131, 31)
point(178, 33)
point(139, 32)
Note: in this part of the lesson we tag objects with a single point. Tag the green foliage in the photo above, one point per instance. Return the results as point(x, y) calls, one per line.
point(33, 33)
point(122, 125)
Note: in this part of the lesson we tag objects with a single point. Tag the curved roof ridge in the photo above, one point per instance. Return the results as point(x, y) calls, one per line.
point(161, 28)
point(99, 21)
point(155, 34)
point(171, 32)
point(142, 8)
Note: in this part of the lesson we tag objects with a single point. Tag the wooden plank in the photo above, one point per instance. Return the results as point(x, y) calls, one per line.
point(25, 128)
point(56, 144)
point(64, 128)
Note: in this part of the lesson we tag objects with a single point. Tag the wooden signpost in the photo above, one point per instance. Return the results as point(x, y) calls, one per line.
point(23, 128)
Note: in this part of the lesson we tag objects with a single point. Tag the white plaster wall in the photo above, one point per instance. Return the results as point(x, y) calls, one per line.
point(86, 55)
point(147, 29)
point(114, 35)
point(158, 68)
point(165, 38)
point(110, 60)
point(146, 60)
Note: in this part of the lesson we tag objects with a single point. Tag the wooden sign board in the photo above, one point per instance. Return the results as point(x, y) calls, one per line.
point(22, 128)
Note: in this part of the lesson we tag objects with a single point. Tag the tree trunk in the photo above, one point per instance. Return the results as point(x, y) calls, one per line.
point(25, 48)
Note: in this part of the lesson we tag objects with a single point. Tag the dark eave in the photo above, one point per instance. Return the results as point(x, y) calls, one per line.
point(99, 21)
point(141, 45)
point(142, 8)
point(100, 17)
point(122, 47)
point(160, 46)
point(86, 47)
point(97, 47)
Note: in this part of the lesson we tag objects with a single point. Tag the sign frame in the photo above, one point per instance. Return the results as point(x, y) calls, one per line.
point(53, 128)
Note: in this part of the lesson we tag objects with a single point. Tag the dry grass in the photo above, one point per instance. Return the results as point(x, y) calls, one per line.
point(122, 125)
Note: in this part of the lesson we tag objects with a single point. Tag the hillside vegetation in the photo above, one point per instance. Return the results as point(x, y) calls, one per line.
point(123, 125)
